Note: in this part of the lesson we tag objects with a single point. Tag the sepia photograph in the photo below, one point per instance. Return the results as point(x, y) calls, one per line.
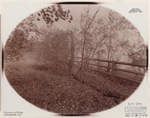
point(75, 59)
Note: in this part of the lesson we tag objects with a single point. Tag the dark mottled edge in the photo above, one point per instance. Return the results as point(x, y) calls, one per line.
point(77, 3)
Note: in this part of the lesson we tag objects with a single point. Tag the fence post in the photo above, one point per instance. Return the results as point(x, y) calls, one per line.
point(112, 72)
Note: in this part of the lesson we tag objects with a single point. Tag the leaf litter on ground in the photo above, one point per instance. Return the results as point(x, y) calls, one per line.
point(61, 94)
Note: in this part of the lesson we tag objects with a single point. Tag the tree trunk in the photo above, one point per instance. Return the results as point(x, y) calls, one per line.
point(71, 61)
point(98, 56)
point(83, 49)
point(108, 58)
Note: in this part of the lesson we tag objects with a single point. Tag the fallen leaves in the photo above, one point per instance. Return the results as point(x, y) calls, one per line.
point(64, 95)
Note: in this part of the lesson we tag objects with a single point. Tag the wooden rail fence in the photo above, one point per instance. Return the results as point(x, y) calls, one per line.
point(113, 68)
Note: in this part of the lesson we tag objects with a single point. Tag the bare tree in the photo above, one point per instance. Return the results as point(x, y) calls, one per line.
point(84, 40)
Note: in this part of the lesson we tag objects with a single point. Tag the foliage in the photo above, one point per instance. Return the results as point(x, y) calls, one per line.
point(53, 13)
point(54, 45)
point(14, 45)
point(19, 37)
point(18, 42)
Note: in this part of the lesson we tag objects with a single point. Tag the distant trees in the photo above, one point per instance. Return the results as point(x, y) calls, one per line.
point(17, 45)
point(127, 45)
point(136, 51)
point(14, 44)
point(54, 45)
point(105, 38)
point(85, 25)
point(52, 14)
point(18, 42)
point(56, 41)
point(92, 36)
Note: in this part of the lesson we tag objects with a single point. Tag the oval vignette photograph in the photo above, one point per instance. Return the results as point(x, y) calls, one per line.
point(75, 59)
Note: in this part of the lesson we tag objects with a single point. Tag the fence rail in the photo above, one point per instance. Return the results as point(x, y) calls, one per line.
point(124, 63)
point(113, 68)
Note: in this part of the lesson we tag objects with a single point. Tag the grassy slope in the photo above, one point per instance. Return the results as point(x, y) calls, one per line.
point(61, 94)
